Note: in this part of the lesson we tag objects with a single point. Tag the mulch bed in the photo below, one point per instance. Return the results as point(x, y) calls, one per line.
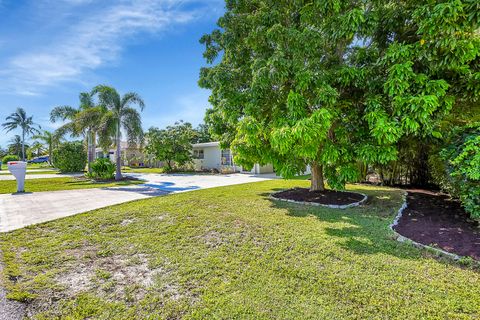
point(435, 219)
point(327, 197)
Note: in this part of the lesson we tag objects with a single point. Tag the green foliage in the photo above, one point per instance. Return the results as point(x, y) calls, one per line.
point(9, 157)
point(119, 115)
point(202, 134)
point(70, 157)
point(463, 166)
point(19, 119)
point(102, 169)
point(172, 144)
point(337, 82)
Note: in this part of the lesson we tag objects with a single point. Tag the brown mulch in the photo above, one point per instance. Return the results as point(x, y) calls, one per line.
point(435, 219)
point(327, 197)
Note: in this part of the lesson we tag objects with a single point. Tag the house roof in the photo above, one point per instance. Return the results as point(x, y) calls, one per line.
point(206, 144)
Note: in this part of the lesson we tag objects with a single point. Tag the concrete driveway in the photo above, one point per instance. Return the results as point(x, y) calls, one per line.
point(20, 210)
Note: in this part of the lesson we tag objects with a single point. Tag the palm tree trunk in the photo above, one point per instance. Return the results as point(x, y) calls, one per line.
point(89, 148)
point(50, 154)
point(118, 173)
point(23, 145)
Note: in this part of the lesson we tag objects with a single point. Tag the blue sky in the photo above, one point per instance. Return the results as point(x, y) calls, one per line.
point(51, 50)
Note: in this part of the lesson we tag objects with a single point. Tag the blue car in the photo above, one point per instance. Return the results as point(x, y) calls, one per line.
point(39, 159)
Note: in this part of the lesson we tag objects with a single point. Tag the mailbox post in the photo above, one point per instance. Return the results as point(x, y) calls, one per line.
point(19, 170)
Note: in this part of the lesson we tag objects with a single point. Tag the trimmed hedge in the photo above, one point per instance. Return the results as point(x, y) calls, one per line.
point(10, 157)
point(70, 157)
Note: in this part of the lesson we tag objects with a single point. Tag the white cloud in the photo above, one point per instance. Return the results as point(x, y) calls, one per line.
point(92, 39)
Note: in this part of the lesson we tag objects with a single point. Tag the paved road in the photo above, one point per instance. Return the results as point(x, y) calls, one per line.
point(20, 210)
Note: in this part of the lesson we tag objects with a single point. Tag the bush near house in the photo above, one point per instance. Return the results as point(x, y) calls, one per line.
point(102, 169)
point(9, 157)
point(70, 157)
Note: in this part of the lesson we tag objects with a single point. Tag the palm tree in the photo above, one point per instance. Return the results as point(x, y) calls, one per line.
point(36, 148)
point(19, 119)
point(51, 140)
point(15, 146)
point(120, 116)
point(82, 121)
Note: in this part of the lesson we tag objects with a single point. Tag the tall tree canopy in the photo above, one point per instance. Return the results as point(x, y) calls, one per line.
point(330, 83)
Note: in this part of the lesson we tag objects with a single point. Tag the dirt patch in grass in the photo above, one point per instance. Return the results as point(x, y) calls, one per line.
point(435, 219)
point(327, 197)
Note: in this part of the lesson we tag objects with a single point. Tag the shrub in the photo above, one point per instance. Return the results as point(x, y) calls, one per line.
point(102, 169)
point(9, 157)
point(70, 157)
point(461, 168)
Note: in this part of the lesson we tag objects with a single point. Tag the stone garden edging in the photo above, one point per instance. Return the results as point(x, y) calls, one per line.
point(404, 239)
point(332, 206)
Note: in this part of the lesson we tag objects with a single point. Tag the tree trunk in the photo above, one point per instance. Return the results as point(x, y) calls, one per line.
point(23, 145)
point(118, 173)
point(94, 146)
point(50, 154)
point(89, 151)
point(317, 183)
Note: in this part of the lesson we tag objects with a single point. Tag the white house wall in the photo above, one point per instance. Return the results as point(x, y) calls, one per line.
point(212, 157)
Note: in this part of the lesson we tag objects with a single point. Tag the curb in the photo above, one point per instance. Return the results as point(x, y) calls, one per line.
point(403, 239)
point(315, 204)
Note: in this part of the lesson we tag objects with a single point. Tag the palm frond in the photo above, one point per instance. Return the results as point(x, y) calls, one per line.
point(132, 98)
point(63, 113)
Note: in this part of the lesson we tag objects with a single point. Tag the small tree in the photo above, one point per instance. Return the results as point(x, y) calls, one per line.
point(172, 144)
point(70, 157)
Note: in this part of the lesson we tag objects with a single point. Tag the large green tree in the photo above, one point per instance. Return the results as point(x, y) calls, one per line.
point(19, 119)
point(330, 83)
point(173, 145)
point(120, 116)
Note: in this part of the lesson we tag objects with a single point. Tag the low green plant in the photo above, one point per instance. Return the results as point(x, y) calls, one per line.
point(102, 169)
point(9, 157)
point(70, 157)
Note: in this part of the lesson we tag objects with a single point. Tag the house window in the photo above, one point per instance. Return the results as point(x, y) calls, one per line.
point(226, 158)
point(198, 154)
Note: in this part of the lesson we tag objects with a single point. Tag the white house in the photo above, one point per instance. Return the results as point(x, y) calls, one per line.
point(209, 155)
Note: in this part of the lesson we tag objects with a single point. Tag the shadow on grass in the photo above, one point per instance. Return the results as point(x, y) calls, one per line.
point(363, 229)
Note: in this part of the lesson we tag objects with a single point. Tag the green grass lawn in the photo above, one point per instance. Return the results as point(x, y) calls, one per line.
point(232, 253)
point(43, 165)
point(6, 172)
point(55, 184)
point(142, 170)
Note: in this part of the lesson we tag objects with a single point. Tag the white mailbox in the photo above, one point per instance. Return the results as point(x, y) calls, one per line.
point(18, 169)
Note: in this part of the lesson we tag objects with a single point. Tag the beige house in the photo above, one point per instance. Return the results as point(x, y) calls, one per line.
point(131, 156)
point(209, 156)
